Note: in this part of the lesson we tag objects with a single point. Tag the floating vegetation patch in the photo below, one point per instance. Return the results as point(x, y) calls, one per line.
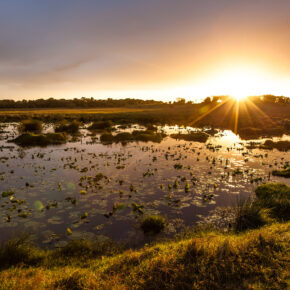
point(192, 136)
point(144, 136)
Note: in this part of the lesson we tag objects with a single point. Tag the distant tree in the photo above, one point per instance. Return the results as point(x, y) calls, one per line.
point(207, 100)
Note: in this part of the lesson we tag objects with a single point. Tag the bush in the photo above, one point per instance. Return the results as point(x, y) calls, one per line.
point(275, 197)
point(68, 127)
point(30, 126)
point(153, 224)
point(31, 139)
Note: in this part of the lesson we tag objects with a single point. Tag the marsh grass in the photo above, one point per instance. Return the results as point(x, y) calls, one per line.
point(68, 127)
point(282, 172)
point(144, 136)
point(192, 136)
point(153, 224)
point(248, 215)
point(31, 125)
point(101, 125)
point(19, 251)
point(280, 145)
point(32, 139)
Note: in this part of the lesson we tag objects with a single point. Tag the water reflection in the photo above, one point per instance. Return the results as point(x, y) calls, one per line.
point(94, 189)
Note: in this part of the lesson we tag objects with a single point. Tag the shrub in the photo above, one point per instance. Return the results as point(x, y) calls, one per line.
point(68, 127)
point(30, 125)
point(31, 139)
point(153, 224)
point(275, 197)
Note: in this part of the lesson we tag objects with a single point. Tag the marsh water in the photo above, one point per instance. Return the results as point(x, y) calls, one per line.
point(100, 191)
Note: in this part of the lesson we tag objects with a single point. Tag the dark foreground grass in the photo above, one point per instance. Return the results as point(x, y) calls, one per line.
point(256, 259)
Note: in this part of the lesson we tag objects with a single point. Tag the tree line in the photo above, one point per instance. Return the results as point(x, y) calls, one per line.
point(95, 103)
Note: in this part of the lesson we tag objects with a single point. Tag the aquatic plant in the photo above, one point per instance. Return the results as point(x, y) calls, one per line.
point(7, 193)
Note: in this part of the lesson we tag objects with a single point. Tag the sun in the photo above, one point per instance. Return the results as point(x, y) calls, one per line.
point(239, 97)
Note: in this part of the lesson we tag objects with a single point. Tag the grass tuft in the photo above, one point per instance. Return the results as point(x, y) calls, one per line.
point(248, 215)
point(68, 127)
point(30, 125)
point(153, 224)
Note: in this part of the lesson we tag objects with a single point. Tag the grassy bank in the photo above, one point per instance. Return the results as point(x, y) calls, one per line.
point(254, 259)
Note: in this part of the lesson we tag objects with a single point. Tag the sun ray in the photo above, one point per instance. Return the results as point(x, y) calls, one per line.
point(237, 116)
point(260, 111)
point(209, 111)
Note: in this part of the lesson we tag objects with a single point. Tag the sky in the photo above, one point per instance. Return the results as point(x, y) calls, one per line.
point(151, 49)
